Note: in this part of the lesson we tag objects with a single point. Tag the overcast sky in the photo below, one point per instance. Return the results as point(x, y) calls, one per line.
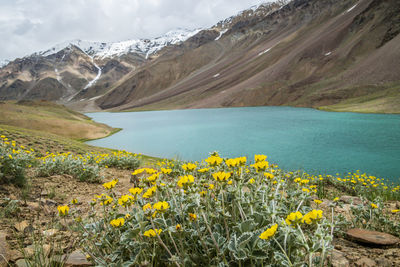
point(28, 26)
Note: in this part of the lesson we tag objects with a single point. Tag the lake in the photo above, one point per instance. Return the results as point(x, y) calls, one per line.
point(294, 138)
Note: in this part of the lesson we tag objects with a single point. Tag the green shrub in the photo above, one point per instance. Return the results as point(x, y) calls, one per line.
point(68, 164)
point(13, 162)
point(223, 213)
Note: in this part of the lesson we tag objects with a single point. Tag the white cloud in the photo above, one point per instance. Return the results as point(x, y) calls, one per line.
point(27, 26)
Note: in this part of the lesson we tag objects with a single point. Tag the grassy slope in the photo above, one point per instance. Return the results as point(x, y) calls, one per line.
point(387, 101)
point(52, 118)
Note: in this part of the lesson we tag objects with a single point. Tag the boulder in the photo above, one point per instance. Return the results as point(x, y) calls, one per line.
point(372, 237)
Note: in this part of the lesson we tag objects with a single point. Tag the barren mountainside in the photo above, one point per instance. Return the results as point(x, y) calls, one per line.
point(335, 54)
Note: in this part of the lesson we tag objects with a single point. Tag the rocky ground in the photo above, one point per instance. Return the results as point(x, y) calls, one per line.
point(30, 225)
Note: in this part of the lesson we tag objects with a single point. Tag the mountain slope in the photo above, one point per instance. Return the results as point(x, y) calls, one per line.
point(332, 54)
point(307, 53)
point(78, 70)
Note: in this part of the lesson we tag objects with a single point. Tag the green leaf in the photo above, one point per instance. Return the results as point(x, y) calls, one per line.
point(232, 243)
point(247, 226)
point(240, 254)
point(260, 254)
point(244, 239)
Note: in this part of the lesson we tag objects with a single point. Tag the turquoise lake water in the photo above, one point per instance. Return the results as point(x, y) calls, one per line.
point(294, 138)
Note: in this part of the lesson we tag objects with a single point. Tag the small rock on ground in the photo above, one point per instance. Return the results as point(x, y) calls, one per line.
point(372, 237)
point(338, 259)
point(365, 262)
point(4, 250)
point(77, 259)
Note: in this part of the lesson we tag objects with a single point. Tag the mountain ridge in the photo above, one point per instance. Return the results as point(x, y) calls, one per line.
point(301, 53)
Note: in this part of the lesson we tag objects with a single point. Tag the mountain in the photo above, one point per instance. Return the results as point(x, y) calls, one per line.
point(66, 72)
point(335, 54)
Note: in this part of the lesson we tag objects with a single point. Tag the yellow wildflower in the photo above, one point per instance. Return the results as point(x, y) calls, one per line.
point(152, 233)
point(138, 171)
point(312, 216)
point(125, 200)
point(269, 175)
point(214, 160)
point(189, 166)
point(150, 192)
point(136, 190)
point(118, 222)
point(178, 227)
point(221, 176)
point(294, 218)
point(74, 201)
point(395, 211)
point(252, 181)
point(192, 216)
point(203, 170)
point(187, 179)
point(232, 163)
point(63, 210)
point(147, 207)
point(269, 232)
point(260, 165)
point(259, 158)
point(166, 171)
point(374, 206)
point(111, 184)
point(161, 206)
point(317, 201)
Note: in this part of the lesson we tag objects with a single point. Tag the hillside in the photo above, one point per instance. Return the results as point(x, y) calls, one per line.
point(51, 118)
point(308, 53)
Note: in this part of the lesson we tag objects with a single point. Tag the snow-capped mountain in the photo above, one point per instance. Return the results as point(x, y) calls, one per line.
point(3, 62)
point(103, 50)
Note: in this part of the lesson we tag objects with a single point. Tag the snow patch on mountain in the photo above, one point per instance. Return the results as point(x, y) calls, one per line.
point(220, 34)
point(142, 46)
point(351, 8)
point(93, 82)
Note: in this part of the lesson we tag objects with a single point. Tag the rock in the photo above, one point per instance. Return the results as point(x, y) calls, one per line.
point(50, 202)
point(326, 203)
point(29, 251)
point(21, 226)
point(32, 249)
point(338, 259)
point(50, 232)
point(22, 263)
point(365, 262)
point(383, 262)
point(33, 206)
point(77, 259)
point(15, 255)
point(4, 250)
point(351, 200)
point(372, 237)
point(345, 210)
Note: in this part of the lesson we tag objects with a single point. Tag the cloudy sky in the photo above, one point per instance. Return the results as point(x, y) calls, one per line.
point(28, 26)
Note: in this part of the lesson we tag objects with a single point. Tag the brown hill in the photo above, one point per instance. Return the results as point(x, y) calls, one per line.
point(308, 53)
